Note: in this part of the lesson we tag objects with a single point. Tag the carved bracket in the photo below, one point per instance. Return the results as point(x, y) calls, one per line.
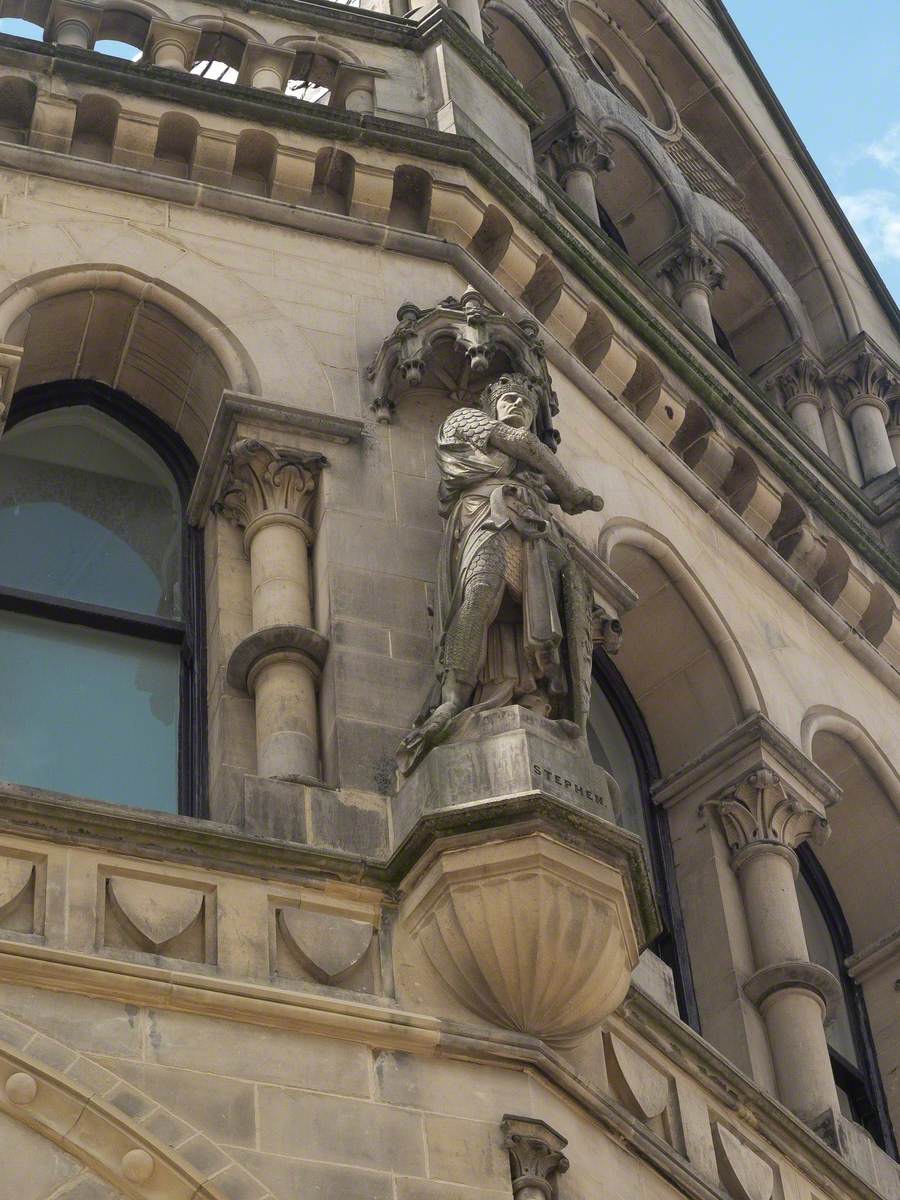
point(457, 348)
point(536, 1158)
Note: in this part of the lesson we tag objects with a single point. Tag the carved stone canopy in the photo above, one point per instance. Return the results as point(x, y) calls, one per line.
point(761, 811)
point(457, 348)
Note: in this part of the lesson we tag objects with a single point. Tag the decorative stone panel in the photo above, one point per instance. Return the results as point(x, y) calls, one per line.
point(325, 942)
point(22, 887)
point(742, 1173)
point(158, 916)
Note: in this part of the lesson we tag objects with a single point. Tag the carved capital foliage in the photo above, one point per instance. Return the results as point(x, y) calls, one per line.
point(761, 811)
point(573, 143)
point(261, 480)
point(689, 263)
point(801, 380)
point(866, 379)
point(536, 1158)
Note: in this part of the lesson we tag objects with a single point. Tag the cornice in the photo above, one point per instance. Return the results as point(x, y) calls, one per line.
point(644, 309)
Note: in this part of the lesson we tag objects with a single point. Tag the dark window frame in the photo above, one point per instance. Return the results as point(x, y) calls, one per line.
point(671, 945)
point(862, 1084)
point(189, 633)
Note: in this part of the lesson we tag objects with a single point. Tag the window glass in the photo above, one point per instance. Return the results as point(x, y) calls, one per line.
point(610, 749)
point(88, 712)
point(820, 947)
point(88, 512)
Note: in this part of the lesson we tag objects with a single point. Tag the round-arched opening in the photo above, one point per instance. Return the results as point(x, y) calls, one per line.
point(175, 143)
point(100, 602)
point(122, 34)
point(94, 131)
point(312, 77)
point(635, 200)
point(753, 321)
point(526, 61)
point(700, 688)
point(21, 28)
point(620, 66)
point(130, 344)
point(218, 56)
point(17, 97)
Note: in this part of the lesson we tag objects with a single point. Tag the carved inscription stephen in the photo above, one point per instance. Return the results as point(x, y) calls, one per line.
point(583, 793)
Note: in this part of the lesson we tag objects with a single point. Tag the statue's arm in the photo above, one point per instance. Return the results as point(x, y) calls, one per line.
point(522, 445)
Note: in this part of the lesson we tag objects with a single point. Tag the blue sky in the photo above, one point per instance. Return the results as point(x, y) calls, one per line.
point(835, 67)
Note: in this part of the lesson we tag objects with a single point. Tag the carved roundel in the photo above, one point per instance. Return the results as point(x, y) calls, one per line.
point(620, 66)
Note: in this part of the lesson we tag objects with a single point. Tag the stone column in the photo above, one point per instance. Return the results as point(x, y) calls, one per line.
point(763, 825)
point(864, 384)
point(799, 387)
point(692, 273)
point(73, 23)
point(171, 45)
point(470, 11)
point(269, 493)
point(893, 402)
point(536, 1158)
point(267, 68)
point(578, 152)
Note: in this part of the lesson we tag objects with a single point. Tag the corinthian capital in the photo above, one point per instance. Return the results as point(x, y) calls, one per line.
point(866, 379)
point(264, 482)
point(801, 381)
point(536, 1156)
point(573, 143)
point(760, 811)
point(687, 262)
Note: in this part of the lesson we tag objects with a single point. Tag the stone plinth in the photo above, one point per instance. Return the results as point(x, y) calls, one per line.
point(502, 753)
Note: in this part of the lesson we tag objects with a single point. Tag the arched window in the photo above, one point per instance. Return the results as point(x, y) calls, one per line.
point(101, 665)
point(850, 1045)
point(619, 742)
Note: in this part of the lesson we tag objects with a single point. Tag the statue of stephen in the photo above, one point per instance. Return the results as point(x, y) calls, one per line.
point(513, 619)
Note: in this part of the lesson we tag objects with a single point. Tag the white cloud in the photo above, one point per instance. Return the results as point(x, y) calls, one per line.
point(886, 151)
point(875, 215)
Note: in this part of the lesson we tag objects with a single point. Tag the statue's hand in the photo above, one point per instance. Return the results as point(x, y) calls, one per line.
point(580, 500)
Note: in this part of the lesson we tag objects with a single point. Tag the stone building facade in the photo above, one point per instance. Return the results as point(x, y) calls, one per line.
point(255, 253)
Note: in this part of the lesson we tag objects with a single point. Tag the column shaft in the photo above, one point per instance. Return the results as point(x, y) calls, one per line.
point(808, 418)
point(470, 11)
point(579, 184)
point(279, 573)
point(694, 301)
point(793, 1018)
point(872, 442)
point(287, 728)
point(770, 902)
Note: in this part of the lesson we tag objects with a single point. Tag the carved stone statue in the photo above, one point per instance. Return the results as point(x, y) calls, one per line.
point(514, 621)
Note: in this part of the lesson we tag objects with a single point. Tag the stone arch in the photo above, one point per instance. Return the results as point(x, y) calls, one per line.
point(864, 845)
point(640, 194)
point(682, 663)
point(864, 824)
point(100, 1137)
point(134, 333)
point(527, 57)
